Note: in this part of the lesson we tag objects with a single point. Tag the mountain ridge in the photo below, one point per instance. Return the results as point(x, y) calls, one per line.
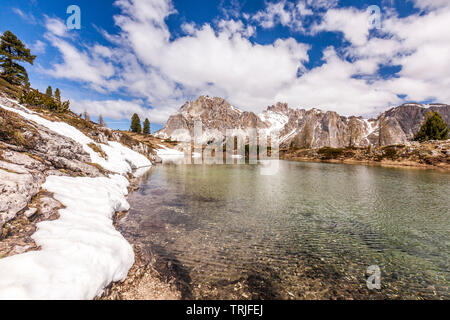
point(313, 128)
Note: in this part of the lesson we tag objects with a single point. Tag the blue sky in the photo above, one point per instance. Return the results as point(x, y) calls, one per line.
point(151, 56)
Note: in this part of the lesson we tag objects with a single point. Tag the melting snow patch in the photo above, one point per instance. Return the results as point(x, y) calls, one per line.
point(372, 127)
point(288, 136)
point(168, 154)
point(275, 120)
point(81, 251)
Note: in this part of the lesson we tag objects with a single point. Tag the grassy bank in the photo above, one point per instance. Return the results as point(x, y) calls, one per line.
point(430, 155)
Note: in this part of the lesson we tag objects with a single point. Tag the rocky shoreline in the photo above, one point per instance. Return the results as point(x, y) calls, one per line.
point(143, 281)
point(428, 155)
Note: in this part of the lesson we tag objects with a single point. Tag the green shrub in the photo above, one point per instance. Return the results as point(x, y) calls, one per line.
point(390, 153)
point(330, 153)
point(35, 98)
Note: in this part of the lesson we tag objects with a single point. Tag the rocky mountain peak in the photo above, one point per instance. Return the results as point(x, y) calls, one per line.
point(280, 107)
point(206, 105)
point(312, 128)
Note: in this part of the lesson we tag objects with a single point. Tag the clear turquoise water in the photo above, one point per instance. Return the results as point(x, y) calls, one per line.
point(309, 232)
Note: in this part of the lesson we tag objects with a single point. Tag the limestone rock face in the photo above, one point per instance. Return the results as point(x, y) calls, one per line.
point(18, 184)
point(216, 115)
point(302, 128)
point(24, 166)
point(409, 117)
point(21, 175)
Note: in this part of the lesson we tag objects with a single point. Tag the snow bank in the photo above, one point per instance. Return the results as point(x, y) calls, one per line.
point(167, 154)
point(81, 252)
point(120, 159)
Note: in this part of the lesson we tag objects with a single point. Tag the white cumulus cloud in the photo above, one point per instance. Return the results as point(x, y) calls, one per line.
point(159, 69)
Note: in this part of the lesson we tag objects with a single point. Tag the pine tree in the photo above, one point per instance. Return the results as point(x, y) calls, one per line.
point(49, 92)
point(434, 128)
point(12, 51)
point(101, 121)
point(135, 124)
point(58, 95)
point(146, 129)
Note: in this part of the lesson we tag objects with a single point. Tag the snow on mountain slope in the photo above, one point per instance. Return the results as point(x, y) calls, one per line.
point(288, 136)
point(276, 121)
point(119, 158)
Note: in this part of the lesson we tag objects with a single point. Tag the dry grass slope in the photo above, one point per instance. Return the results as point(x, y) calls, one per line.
point(16, 131)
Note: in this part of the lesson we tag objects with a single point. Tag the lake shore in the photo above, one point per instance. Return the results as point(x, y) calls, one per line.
point(428, 155)
point(386, 163)
point(143, 281)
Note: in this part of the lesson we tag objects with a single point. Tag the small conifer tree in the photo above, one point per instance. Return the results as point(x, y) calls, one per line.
point(434, 128)
point(49, 92)
point(58, 95)
point(146, 129)
point(135, 124)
